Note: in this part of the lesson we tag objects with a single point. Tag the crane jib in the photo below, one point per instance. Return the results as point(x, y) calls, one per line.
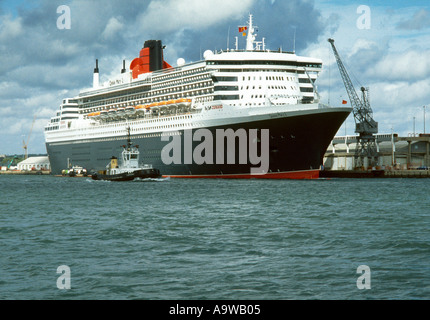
point(365, 125)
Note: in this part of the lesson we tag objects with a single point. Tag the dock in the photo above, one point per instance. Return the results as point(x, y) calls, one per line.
point(375, 174)
point(399, 157)
point(25, 172)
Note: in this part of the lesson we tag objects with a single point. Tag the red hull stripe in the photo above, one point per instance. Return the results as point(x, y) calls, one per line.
point(308, 174)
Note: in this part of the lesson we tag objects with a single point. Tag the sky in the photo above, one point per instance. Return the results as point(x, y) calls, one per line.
point(385, 46)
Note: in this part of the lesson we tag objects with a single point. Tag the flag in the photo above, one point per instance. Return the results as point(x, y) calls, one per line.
point(242, 29)
point(244, 34)
point(344, 102)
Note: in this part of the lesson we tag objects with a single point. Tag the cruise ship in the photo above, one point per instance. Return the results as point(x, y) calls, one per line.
point(237, 113)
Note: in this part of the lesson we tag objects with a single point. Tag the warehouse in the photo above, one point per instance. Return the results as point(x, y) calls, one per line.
point(34, 163)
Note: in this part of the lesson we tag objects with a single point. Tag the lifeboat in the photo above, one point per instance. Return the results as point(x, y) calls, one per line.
point(96, 115)
point(112, 113)
point(90, 114)
point(140, 109)
point(103, 114)
point(163, 107)
point(162, 104)
point(152, 105)
point(172, 103)
point(183, 103)
point(130, 110)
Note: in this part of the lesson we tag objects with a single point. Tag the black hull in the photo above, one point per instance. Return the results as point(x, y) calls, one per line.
point(297, 144)
point(128, 176)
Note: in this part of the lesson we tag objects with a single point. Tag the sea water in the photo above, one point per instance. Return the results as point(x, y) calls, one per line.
point(75, 238)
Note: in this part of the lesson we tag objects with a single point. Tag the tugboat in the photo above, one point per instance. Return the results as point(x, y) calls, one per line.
point(128, 169)
point(75, 171)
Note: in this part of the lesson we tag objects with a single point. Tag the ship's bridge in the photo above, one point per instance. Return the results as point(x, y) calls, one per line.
point(260, 59)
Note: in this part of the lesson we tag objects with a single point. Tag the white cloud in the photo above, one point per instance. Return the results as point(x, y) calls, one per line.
point(399, 95)
point(410, 65)
point(10, 28)
point(174, 15)
point(112, 28)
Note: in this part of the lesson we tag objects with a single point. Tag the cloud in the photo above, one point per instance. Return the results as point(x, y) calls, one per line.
point(168, 16)
point(10, 28)
point(411, 65)
point(420, 20)
point(282, 18)
point(277, 21)
point(401, 93)
point(113, 27)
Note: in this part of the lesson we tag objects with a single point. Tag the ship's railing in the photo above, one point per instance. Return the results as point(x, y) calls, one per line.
point(91, 92)
point(152, 79)
point(244, 50)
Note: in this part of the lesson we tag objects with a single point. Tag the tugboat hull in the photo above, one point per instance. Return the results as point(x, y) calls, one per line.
point(128, 176)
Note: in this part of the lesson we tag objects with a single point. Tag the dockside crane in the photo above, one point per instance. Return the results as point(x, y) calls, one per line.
point(25, 145)
point(365, 125)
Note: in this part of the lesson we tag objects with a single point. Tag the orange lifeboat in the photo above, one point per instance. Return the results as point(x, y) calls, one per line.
point(140, 108)
point(171, 103)
point(152, 105)
point(183, 102)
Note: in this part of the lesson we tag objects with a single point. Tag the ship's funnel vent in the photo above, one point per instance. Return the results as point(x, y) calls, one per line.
point(96, 75)
point(150, 59)
point(155, 54)
point(96, 69)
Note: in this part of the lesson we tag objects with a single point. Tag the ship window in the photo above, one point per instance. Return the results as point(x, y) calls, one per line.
point(226, 97)
point(226, 88)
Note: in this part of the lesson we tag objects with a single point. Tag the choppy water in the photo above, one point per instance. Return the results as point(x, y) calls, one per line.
point(214, 239)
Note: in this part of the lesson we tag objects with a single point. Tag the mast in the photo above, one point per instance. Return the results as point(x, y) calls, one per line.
point(128, 139)
point(251, 37)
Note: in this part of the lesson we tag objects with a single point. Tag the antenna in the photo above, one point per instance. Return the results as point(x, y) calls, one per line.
point(228, 37)
point(294, 41)
point(329, 77)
